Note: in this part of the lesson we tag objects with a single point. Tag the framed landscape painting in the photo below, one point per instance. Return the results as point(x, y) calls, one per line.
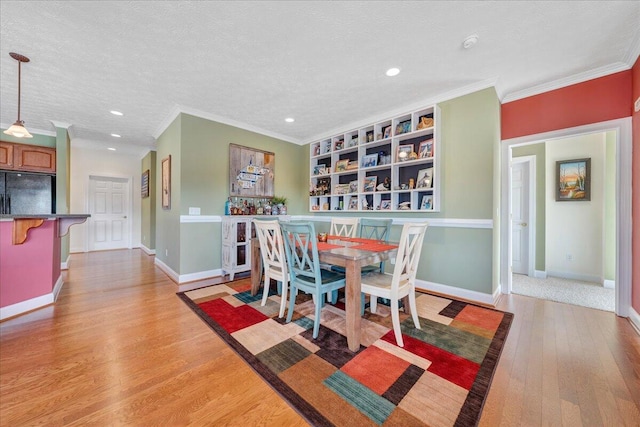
point(573, 180)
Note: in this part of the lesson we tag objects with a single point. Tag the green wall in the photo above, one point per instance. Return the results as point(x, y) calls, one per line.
point(538, 150)
point(40, 140)
point(148, 204)
point(199, 150)
point(466, 258)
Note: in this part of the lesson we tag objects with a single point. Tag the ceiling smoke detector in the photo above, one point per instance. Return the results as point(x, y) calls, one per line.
point(470, 41)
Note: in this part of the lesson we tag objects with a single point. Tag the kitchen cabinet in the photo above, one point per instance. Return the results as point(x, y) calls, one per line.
point(28, 158)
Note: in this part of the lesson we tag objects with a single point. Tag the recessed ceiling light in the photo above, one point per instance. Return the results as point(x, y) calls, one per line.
point(289, 120)
point(116, 113)
point(115, 135)
point(470, 41)
point(111, 149)
point(393, 72)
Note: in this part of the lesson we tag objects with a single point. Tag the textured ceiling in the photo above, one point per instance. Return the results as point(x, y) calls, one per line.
point(254, 63)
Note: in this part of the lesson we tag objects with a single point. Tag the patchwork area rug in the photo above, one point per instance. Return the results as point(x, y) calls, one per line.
point(440, 378)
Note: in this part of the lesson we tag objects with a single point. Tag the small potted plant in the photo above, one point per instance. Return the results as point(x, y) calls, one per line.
point(280, 203)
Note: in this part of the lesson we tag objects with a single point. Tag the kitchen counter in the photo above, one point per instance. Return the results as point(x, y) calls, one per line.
point(30, 264)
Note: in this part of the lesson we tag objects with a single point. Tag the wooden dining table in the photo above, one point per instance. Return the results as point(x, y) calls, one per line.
point(350, 253)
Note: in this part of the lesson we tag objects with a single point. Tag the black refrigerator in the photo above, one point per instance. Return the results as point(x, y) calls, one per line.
point(27, 193)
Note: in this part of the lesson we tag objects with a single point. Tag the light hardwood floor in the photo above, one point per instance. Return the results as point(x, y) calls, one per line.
point(120, 348)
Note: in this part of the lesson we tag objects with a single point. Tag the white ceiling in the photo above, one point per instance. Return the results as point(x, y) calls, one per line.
point(252, 64)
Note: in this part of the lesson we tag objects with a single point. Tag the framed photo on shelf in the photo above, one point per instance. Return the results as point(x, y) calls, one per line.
point(369, 184)
point(370, 136)
point(341, 189)
point(573, 180)
point(341, 165)
point(403, 152)
point(353, 204)
point(339, 145)
point(427, 203)
point(386, 132)
point(425, 178)
point(426, 149)
point(385, 205)
point(353, 142)
point(353, 187)
point(370, 160)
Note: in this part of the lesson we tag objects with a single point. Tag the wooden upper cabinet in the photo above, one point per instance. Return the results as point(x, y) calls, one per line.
point(28, 158)
point(6, 155)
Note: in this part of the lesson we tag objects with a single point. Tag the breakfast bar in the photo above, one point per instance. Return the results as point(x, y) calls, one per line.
point(30, 260)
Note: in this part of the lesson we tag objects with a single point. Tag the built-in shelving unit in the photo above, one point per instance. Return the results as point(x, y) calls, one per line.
point(391, 165)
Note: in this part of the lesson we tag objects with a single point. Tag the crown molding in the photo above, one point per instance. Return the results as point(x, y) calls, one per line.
point(455, 93)
point(58, 124)
point(178, 109)
point(567, 81)
point(634, 51)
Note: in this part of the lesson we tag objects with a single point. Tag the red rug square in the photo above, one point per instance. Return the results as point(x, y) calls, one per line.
point(375, 368)
point(232, 318)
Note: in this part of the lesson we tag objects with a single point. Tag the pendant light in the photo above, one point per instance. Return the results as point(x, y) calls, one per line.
point(17, 129)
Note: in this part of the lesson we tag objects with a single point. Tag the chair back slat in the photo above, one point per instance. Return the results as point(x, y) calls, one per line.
point(271, 244)
point(409, 250)
point(345, 227)
point(301, 250)
point(379, 229)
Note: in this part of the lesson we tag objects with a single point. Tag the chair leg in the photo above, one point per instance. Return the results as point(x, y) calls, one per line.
point(265, 289)
point(362, 303)
point(414, 312)
point(373, 303)
point(283, 298)
point(316, 322)
point(395, 319)
point(292, 302)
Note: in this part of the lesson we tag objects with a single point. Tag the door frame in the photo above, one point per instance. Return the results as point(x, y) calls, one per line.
point(128, 179)
point(531, 229)
point(622, 128)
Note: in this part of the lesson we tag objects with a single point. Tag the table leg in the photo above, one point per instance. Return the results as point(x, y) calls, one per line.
point(256, 267)
point(352, 304)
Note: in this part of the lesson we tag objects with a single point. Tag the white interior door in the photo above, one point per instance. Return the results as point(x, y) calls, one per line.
point(110, 221)
point(520, 217)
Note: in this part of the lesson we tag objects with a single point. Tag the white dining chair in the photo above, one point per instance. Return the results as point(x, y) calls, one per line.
point(402, 282)
point(273, 259)
point(345, 227)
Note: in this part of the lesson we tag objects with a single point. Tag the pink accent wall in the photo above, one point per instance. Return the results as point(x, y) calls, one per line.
point(606, 98)
point(593, 101)
point(635, 184)
point(29, 270)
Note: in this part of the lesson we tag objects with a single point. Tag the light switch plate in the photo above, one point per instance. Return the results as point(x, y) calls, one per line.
point(194, 211)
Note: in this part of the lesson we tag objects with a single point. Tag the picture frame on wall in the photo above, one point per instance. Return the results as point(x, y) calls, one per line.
point(573, 180)
point(144, 184)
point(166, 182)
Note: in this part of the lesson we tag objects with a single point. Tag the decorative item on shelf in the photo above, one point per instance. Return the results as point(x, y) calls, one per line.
point(425, 178)
point(413, 155)
point(381, 187)
point(403, 127)
point(379, 137)
point(411, 183)
point(316, 150)
point(353, 142)
point(427, 203)
point(341, 165)
point(370, 136)
point(404, 206)
point(426, 149)
point(425, 122)
point(353, 187)
point(370, 160)
point(227, 206)
point(353, 164)
point(281, 204)
point(403, 152)
point(341, 188)
point(369, 184)
point(339, 145)
point(387, 183)
point(353, 204)
point(385, 205)
point(325, 206)
point(386, 132)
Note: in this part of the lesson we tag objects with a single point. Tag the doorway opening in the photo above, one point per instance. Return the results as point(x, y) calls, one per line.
point(620, 191)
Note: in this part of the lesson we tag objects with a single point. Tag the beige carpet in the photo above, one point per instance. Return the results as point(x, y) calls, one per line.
point(586, 294)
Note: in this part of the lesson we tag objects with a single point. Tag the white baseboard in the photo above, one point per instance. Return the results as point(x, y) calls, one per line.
point(57, 288)
point(64, 265)
point(26, 306)
point(611, 284)
point(634, 319)
point(465, 294)
point(184, 278)
point(147, 251)
point(575, 276)
point(538, 274)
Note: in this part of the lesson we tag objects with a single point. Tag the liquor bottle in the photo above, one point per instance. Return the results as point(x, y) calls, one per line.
point(227, 207)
